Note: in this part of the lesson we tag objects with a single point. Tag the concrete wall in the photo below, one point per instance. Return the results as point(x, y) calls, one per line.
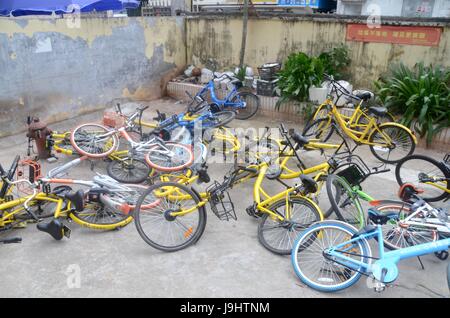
point(54, 71)
point(274, 38)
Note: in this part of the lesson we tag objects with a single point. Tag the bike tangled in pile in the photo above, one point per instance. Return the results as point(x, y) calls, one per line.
point(150, 181)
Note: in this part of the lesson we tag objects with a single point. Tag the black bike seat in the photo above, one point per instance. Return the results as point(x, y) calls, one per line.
point(55, 228)
point(364, 95)
point(299, 139)
point(378, 111)
point(77, 199)
point(378, 217)
point(309, 184)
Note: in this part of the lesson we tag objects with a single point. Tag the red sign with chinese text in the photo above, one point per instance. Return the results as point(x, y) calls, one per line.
point(413, 35)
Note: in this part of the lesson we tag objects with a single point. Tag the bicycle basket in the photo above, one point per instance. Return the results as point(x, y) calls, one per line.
point(28, 169)
point(353, 169)
point(221, 203)
point(352, 174)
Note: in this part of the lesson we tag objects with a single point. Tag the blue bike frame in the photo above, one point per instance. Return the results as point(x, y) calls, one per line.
point(385, 268)
point(221, 102)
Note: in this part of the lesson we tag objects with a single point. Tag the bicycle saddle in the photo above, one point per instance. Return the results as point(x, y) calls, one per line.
point(378, 111)
point(77, 199)
point(55, 228)
point(364, 95)
point(408, 190)
point(309, 184)
point(299, 139)
point(378, 217)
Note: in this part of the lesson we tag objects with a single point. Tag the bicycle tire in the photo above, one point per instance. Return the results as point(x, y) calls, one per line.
point(194, 235)
point(77, 138)
point(343, 199)
point(320, 129)
point(129, 170)
point(400, 131)
point(438, 167)
point(249, 111)
point(218, 119)
point(315, 233)
point(291, 232)
point(154, 155)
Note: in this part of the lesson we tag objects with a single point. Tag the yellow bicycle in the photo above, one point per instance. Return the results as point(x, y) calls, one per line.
point(106, 205)
point(389, 142)
point(178, 217)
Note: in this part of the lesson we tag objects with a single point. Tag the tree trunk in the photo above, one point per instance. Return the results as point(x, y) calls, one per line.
point(244, 34)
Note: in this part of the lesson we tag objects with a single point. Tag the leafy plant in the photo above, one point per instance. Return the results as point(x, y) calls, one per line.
point(299, 73)
point(241, 73)
point(421, 95)
point(336, 62)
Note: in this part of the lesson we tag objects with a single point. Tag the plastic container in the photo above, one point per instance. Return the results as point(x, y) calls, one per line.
point(265, 88)
point(318, 95)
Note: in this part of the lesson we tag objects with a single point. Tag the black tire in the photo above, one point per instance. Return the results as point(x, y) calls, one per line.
point(292, 232)
point(430, 194)
point(402, 139)
point(252, 105)
point(344, 202)
point(194, 235)
point(129, 170)
point(218, 119)
point(320, 129)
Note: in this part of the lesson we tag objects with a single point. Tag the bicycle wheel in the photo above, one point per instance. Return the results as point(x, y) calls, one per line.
point(112, 210)
point(344, 202)
point(169, 157)
point(92, 140)
point(387, 118)
point(158, 228)
point(129, 170)
point(251, 102)
point(317, 268)
point(415, 168)
point(279, 236)
point(320, 129)
point(321, 112)
point(396, 233)
point(218, 119)
point(400, 143)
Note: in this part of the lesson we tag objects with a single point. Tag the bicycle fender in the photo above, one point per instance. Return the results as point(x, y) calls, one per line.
point(401, 126)
point(314, 204)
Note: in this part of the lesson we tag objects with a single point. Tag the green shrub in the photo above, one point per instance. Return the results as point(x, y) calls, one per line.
point(336, 62)
point(299, 73)
point(420, 93)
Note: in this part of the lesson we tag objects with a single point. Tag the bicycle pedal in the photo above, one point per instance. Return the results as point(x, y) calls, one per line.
point(251, 210)
point(441, 255)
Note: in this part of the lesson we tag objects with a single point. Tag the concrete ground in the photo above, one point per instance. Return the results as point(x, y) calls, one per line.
point(228, 261)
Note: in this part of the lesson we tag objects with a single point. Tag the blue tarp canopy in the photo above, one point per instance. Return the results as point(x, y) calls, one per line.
point(30, 7)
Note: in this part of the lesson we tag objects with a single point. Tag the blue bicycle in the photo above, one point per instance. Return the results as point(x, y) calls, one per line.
point(332, 255)
point(243, 102)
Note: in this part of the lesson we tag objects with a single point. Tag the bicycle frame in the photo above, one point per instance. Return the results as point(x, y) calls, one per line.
point(264, 200)
point(226, 102)
point(385, 268)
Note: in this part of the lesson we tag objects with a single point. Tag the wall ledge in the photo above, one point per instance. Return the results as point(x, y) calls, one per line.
point(285, 16)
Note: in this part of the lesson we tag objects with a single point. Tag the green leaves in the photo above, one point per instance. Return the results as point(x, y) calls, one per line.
point(299, 73)
point(421, 93)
